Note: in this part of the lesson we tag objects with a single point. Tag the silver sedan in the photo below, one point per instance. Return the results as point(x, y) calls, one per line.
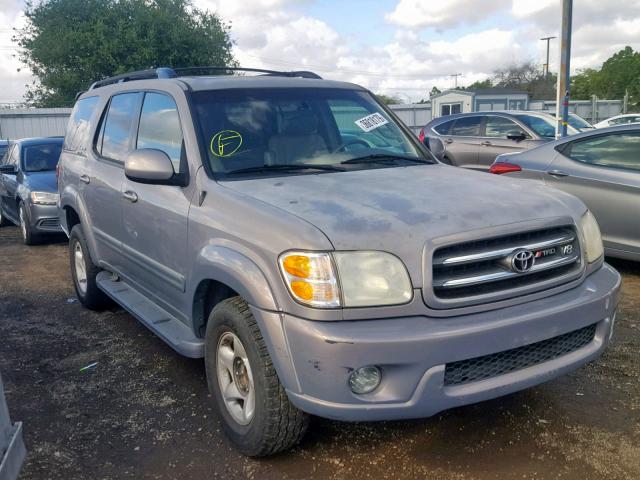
point(602, 167)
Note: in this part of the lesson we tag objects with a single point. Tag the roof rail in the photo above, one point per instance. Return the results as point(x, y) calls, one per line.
point(165, 72)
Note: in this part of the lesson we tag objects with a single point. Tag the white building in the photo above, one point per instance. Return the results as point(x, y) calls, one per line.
point(450, 102)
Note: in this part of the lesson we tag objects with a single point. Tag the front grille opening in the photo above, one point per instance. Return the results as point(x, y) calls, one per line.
point(501, 363)
point(479, 271)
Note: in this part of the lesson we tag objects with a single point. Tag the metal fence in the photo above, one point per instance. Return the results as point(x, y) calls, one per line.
point(33, 122)
point(414, 115)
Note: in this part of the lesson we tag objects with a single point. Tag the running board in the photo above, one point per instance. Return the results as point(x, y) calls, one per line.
point(175, 333)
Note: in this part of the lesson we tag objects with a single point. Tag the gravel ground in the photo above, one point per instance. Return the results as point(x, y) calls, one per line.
point(144, 411)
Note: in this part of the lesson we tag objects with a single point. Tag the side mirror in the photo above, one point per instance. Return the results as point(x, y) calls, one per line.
point(516, 135)
point(436, 146)
point(9, 169)
point(153, 166)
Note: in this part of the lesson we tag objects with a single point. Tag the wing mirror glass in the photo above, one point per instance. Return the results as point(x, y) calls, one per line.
point(148, 165)
point(516, 135)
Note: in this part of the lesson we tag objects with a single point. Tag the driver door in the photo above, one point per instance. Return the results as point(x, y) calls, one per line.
point(495, 141)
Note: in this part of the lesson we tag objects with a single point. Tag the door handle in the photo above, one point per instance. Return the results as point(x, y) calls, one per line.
point(486, 143)
point(448, 140)
point(85, 178)
point(131, 196)
point(557, 173)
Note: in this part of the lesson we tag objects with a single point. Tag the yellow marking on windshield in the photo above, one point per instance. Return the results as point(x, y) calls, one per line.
point(226, 143)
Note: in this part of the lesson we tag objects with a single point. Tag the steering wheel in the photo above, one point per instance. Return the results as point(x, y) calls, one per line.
point(352, 142)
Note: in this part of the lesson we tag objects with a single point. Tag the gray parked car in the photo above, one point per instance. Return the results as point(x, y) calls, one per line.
point(474, 140)
point(28, 190)
point(297, 236)
point(602, 167)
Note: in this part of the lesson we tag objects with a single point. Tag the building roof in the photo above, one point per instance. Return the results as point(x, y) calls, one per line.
point(499, 91)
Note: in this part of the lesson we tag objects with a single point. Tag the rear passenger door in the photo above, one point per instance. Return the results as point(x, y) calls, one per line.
point(463, 141)
point(102, 179)
point(155, 216)
point(495, 141)
point(604, 172)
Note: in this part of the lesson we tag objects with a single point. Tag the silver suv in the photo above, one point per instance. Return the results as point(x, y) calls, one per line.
point(294, 234)
point(474, 140)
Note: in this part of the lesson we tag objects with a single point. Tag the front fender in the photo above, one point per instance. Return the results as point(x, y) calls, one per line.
point(237, 271)
point(69, 198)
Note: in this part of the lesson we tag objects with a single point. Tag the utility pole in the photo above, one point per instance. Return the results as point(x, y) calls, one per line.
point(545, 69)
point(562, 99)
point(455, 76)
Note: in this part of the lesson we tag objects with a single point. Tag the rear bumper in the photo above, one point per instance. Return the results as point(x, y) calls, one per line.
point(412, 353)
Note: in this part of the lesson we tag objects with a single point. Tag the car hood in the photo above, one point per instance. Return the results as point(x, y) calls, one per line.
point(399, 209)
point(41, 181)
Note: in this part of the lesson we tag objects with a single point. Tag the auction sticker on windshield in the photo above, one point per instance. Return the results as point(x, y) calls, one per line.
point(371, 122)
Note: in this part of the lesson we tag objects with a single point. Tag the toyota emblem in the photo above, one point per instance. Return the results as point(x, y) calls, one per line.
point(522, 261)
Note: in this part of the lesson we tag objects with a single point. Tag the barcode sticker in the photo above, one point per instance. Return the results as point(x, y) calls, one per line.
point(371, 122)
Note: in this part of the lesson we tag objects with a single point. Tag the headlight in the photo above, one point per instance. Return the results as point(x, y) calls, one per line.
point(592, 238)
point(367, 278)
point(44, 198)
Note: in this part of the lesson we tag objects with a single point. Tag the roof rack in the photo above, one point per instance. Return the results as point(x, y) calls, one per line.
point(165, 72)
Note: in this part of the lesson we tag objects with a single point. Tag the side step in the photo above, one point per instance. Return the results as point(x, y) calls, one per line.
point(167, 327)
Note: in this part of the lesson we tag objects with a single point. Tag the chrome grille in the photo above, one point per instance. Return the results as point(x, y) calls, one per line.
point(489, 366)
point(482, 269)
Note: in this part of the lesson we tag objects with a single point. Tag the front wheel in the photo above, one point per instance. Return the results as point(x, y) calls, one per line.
point(252, 405)
point(84, 272)
point(28, 237)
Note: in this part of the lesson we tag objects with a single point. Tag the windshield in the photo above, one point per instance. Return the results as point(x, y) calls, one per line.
point(299, 130)
point(578, 122)
point(41, 158)
point(544, 126)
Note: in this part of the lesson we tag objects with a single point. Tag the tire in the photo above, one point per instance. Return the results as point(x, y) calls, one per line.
point(28, 236)
point(84, 277)
point(275, 424)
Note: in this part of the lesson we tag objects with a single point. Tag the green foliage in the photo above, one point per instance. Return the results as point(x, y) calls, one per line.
point(68, 44)
point(387, 100)
point(620, 73)
point(478, 84)
point(434, 91)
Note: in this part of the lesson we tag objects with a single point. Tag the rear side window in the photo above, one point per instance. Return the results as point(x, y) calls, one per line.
point(114, 139)
point(78, 126)
point(444, 128)
point(160, 127)
point(467, 127)
point(616, 150)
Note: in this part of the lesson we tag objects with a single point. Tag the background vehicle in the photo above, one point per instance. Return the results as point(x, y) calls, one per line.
point(577, 122)
point(602, 167)
point(28, 190)
point(4, 146)
point(255, 221)
point(474, 140)
point(619, 120)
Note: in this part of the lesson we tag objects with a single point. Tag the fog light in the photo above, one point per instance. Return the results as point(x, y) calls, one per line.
point(365, 380)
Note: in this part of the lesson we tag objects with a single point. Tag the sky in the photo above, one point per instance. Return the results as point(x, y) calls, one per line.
point(400, 48)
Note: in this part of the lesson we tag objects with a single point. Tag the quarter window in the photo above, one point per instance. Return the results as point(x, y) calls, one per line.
point(616, 150)
point(467, 127)
point(78, 126)
point(500, 127)
point(113, 141)
point(160, 127)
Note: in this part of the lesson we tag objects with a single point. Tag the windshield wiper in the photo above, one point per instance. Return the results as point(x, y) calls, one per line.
point(384, 158)
point(285, 168)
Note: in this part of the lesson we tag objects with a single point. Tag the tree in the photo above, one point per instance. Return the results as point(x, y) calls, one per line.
point(388, 100)
point(478, 84)
point(68, 44)
point(434, 91)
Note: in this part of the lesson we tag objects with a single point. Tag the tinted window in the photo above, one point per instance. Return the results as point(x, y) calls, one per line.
point(618, 150)
point(117, 126)
point(542, 126)
point(78, 126)
point(467, 127)
point(247, 128)
point(501, 127)
point(443, 128)
point(3, 150)
point(160, 127)
point(41, 158)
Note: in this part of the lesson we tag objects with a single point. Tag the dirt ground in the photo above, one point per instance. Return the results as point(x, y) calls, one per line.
point(144, 411)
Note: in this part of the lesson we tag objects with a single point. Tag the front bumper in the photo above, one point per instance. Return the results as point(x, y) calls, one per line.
point(44, 218)
point(314, 359)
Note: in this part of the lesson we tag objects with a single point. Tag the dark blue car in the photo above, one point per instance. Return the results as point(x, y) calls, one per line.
point(28, 190)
